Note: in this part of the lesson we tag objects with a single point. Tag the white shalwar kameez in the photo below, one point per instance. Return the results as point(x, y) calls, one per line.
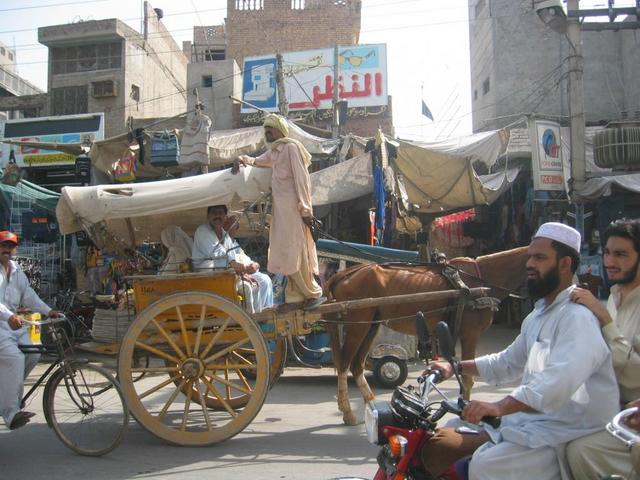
point(566, 376)
point(14, 365)
point(209, 253)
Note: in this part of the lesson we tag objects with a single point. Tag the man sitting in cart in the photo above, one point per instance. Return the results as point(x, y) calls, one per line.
point(15, 292)
point(214, 247)
point(292, 251)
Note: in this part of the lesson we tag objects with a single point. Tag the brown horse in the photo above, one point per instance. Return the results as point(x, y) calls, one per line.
point(503, 272)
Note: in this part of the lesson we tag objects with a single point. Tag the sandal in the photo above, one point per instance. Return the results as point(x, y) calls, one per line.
point(311, 303)
point(20, 419)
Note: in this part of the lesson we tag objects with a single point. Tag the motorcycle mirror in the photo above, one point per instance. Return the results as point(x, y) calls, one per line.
point(445, 341)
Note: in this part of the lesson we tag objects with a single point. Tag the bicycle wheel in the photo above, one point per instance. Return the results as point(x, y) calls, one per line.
point(86, 409)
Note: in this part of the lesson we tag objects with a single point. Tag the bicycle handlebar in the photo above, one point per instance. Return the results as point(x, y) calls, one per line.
point(46, 321)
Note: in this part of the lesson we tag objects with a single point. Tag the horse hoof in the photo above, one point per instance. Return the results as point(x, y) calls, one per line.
point(349, 419)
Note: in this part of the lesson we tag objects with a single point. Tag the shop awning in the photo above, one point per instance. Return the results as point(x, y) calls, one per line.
point(37, 195)
point(439, 176)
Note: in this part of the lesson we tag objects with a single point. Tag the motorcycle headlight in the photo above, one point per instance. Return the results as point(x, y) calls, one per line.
point(371, 417)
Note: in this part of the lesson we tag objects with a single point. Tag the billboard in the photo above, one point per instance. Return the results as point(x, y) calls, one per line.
point(308, 78)
point(547, 156)
point(83, 128)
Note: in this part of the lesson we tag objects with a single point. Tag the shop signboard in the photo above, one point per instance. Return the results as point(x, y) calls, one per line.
point(547, 155)
point(82, 128)
point(308, 78)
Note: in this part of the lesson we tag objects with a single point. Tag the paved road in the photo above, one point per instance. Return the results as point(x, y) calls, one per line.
point(298, 434)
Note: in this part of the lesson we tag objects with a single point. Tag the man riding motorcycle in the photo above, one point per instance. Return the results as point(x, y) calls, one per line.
point(566, 379)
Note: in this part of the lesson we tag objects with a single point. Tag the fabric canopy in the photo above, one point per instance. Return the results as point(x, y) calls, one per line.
point(39, 196)
point(344, 181)
point(138, 212)
point(439, 176)
point(596, 188)
point(224, 147)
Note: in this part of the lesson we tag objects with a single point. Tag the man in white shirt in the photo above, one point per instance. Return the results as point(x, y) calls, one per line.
point(213, 247)
point(567, 386)
point(15, 293)
point(594, 456)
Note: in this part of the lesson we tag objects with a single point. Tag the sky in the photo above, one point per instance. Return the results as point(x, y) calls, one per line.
point(427, 47)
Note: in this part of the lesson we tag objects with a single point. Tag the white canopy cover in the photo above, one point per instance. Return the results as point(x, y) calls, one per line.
point(439, 176)
point(140, 211)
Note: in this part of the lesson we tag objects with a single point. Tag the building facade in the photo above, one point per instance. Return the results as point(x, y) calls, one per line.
point(519, 66)
point(13, 86)
point(256, 27)
point(106, 66)
point(266, 27)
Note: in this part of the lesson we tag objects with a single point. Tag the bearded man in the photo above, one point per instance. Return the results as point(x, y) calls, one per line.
point(598, 455)
point(566, 381)
point(292, 251)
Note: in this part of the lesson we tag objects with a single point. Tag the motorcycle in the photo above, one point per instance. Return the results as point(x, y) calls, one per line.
point(402, 426)
point(631, 438)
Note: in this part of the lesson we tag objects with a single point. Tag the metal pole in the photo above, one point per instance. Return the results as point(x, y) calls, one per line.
point(576, 110)
point(335, 126)
point(283, 104)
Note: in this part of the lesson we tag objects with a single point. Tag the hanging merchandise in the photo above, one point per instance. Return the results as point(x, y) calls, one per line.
point(124, 169)
point(12, 173)
point(449, 229)
point(194, 145)
point(165, 149)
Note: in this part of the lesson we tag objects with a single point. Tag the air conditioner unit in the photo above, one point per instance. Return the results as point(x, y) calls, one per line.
point(105, 88)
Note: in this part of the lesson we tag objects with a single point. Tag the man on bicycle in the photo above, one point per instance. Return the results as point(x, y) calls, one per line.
point(15, 292)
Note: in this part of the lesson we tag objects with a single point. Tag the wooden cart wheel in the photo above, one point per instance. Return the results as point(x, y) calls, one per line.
point(238, 399)
point(200, 340)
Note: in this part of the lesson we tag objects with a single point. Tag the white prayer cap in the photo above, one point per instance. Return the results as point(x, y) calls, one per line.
point(560, 233)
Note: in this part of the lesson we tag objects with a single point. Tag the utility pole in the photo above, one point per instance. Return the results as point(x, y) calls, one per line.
point(576, 110)
point(335, 122)
point(283, 104)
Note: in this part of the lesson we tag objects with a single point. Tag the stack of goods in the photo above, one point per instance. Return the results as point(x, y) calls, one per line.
point(112, 317)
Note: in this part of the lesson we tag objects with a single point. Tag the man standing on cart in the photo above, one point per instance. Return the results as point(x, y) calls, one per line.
point(292, 251)
point(15, 292)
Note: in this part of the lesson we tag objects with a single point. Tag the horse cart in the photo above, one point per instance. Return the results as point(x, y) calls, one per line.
point(193, 366)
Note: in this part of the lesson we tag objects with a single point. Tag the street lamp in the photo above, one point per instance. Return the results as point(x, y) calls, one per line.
point(553, 15)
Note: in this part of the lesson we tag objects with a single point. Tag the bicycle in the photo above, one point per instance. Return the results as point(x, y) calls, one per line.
point(82, 403)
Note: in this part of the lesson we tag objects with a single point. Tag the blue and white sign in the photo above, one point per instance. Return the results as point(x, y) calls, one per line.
point(308, 78)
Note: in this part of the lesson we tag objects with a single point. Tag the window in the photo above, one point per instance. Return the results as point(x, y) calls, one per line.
point(10, 56)
point(475, 94)
point(249, 4)
point(211, 55)
point(86, 58)
point(297, 4)
point(104, 88)
point(207, 81)
point(135, 93)
point(486, 86)
point(70, 100)
point(2, 51)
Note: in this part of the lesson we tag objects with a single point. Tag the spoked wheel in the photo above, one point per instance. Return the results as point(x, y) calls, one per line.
point(194, 391)
point(238, 399)
point(85, 408)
